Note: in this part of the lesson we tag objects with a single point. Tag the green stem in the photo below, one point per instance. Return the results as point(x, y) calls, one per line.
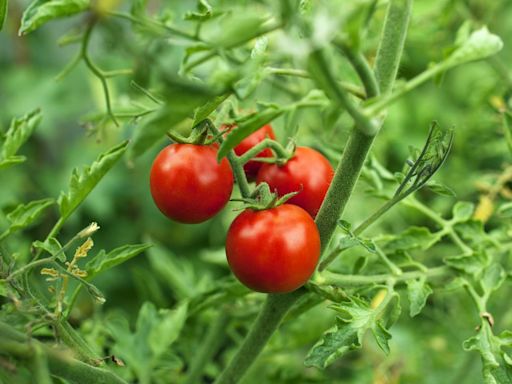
point(266, 323)
point(73, 340)
point(29, 266)
point(95, 70)
point(208, 348)
point(40, 366)
point(280, 151)
point(350, 88)
point(392, 266)
point(392, 43)
point(363, 70)
point(375, 216)
point(236, 166)
point(331, 278)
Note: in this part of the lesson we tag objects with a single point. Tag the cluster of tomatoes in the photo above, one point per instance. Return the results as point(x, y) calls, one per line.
point(275, 249)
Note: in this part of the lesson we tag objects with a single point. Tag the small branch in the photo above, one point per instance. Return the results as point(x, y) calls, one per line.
point(236, 166)
point(280, 151)
point(332, 278)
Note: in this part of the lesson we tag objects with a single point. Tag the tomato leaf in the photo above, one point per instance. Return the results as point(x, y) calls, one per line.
point(237, 28)
point(25, 214)
point(355, 318)
point(52, 246)
point(418, 291)
point(155, 331)
point(472, 264)
point(3, 12)
point(205, 110)
point(462, 211)
point(41, 11)
point(104, 261)
point(19, 131)
point(83, 182)
point(411, 238)
point(496, 367)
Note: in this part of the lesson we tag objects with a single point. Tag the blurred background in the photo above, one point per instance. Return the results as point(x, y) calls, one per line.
point(189, 259)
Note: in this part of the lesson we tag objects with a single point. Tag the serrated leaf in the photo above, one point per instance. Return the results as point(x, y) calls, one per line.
point(462, 211)
point(494, 276)
point(19, 131)
point(3, 12)
point(247, 126)
point(479, 45)
point(418, 291)
point(205, 110)
point(41, 11)
point(472, 264)
point(355, 317)
point(472, 231)
point(411, 238)
point(104, 261)
point(441, 189)
point(52, 246)
point(25, 214)
point(82, 183)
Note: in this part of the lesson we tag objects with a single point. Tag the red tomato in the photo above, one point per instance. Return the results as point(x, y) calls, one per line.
point(273, 250)
point(251, 168)
point(308, 172)
point(187, 183)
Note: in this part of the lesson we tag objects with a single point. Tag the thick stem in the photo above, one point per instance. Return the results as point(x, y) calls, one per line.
point(209, 346)
point(266, 323)
point(392, 43)
point(343, 183)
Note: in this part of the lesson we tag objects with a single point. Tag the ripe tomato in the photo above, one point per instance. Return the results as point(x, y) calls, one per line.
point(273, 250)
point(308, 172)
point(252, 167)
point(187, 183)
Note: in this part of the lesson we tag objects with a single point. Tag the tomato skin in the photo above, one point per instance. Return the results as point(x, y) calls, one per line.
point(308, 172)
point(252, 167)
point(274, 250)
point(187, 183)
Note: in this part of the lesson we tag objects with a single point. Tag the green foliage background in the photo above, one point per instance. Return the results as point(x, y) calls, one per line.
point(157, 340)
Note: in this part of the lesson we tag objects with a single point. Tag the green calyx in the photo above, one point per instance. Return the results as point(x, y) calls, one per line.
point(262, 198)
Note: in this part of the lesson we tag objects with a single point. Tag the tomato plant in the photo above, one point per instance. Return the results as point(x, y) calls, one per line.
point(391, 263)
point(308, 172)
point(187, 183)
point(273, 250)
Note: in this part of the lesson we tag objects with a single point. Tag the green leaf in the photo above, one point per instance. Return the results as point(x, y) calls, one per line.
point(52, 246)
point(237, 28)
point(505, 210)
point(462, 211)
point(418, 292)
point(41, 11)
point(247, 126)
point(155, 331)
point(25, 214)
point(494, 276)
point(104, 261)
point(204, 12)
point(473, 232)
point(479, 45)
point(19, 131)
point(204, 111)
point(3, 12)
point(355, 317)
point(82, 183)
point(3, 288)
point(411, 238)
point(472, 264)
point(183, 97)
point(441, 189)
point(13, 160)
point(495, 363)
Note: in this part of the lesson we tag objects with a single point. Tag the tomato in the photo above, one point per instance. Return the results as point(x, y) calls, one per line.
point(308, 172)
point(273, 250)
point(252, 167)
point(187, 183)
